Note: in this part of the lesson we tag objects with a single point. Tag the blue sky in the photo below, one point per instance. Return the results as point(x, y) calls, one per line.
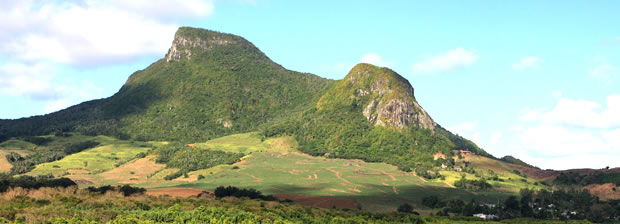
point(535, 79)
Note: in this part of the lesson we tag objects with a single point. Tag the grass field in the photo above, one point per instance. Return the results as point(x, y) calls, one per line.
point(91, 161)
point(248, 143)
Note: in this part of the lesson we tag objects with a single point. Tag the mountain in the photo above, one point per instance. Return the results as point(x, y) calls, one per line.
point(208, 85)
point(372, 114)
point(211, 84)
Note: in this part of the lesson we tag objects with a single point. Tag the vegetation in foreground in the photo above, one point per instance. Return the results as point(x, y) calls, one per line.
point(74, 205)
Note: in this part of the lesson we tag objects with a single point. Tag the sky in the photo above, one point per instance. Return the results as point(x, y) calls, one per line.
point(539, 80)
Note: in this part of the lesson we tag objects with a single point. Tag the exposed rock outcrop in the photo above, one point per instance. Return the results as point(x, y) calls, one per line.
point(183, 44)
point(387, 98)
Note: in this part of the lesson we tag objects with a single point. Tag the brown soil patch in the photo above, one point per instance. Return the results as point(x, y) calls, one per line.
point(176, 192)
point(395, 190)
point(319, 201)
point(133, 172)
point(438, 155)
point(605, 191)
point(240, 162)
point(5, 166)
point(355, 189)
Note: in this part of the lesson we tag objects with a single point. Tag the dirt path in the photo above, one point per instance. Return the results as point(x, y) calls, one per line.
point(390, 175)
point(421, 178)
point(340, 177)
point(256, 179)
point(449, 185)
point(395, 190)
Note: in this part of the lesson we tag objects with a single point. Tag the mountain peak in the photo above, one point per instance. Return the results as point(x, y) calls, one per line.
point(386, 97)
point(190, 41)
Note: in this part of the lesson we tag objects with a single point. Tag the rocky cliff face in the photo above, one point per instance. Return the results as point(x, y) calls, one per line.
point(185, 42)
point(386, 97)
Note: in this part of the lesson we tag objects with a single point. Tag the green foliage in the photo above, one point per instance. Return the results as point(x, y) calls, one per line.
point(37, 140)
point(231, 191)
point(81, 146)
point(126, 190)
point(7, 181)
point(480, 184)
point(433, 201)
point(405, 208)
point(342, 133)
point(574, 178)
point(186, 158)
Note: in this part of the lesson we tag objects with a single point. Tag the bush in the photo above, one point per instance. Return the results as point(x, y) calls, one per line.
point(405, 208)
point(229, 191)
point(432, 201)
point(125, 189)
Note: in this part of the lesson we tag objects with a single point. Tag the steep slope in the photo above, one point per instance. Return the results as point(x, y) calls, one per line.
point(373, 115)
point(209, 84)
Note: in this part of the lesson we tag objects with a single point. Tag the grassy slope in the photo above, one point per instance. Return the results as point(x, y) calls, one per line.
point(92, 161)
point(511, 181)
point(275, 167)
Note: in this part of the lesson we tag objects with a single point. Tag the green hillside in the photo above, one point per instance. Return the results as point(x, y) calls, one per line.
point(210, 84)
point(372, 115)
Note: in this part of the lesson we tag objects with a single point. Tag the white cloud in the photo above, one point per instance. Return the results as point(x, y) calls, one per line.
point(92, 32)
point(41, 82)
point(448, 61)
point(574, 134)
point(375, 59)
point(72, 95)
point(528, 62)
point(556, 94)
point(604, 72)
point(467, 130)
point(580, 113)
point(495, 139)
point(32, 81)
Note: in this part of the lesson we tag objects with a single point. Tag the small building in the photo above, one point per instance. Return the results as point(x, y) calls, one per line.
point(485, 216)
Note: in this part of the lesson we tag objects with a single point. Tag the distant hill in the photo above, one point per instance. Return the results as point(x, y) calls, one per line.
point(513, 160)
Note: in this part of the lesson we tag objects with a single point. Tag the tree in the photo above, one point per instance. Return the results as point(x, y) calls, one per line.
point(511, 207)
point(432, 201)
point(526, 200)
point(405, 208)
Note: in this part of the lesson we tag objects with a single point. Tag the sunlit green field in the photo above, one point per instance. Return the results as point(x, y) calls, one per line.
point(91, 161)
